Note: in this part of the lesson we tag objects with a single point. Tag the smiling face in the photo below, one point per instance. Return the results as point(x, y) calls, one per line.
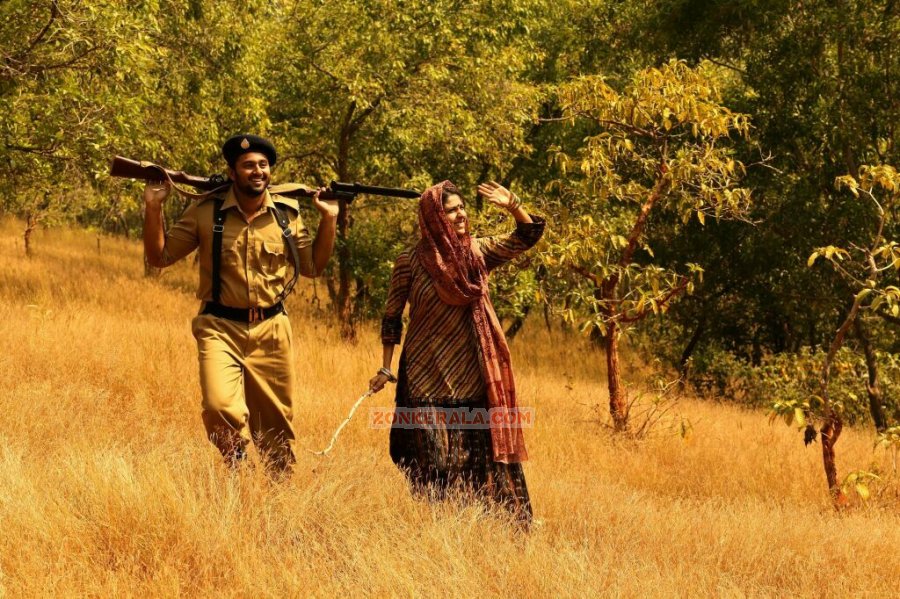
point(251, 173)
point(455, 211)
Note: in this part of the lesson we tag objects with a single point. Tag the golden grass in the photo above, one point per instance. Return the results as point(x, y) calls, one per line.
point(108, 486)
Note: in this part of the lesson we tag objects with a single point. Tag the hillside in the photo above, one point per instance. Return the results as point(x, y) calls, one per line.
point(108, 486)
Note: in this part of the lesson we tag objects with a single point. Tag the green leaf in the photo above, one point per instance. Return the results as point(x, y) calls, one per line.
point(799, 417)
point(812, 259)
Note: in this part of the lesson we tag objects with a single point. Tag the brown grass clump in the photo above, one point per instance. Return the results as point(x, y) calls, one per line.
point(108, 486)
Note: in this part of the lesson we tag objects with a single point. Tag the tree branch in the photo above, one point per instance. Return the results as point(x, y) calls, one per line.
point(586, 274)
point(669, 296)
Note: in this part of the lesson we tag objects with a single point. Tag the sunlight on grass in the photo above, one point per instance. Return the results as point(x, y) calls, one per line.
point(108, 486)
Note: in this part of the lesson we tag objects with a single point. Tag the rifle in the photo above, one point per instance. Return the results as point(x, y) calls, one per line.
point(147, 171)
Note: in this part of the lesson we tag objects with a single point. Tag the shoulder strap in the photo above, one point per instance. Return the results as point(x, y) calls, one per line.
point(291, 243)
point(218, 228)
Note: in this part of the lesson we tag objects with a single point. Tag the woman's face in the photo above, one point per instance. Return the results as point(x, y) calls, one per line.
point(455, 210)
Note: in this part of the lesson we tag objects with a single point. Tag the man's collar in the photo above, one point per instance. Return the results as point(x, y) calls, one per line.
point(231, 200)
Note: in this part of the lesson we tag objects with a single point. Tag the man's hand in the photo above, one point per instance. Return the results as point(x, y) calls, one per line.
point(156, 192)
point(498, 195)
point(326, 208)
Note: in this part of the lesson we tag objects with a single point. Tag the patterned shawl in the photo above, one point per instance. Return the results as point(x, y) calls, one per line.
point(460, 279)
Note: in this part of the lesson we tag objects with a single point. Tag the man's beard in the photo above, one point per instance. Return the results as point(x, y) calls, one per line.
point(249, 188)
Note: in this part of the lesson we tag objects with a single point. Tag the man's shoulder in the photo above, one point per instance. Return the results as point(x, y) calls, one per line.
point(206, 204)
point(282, 202)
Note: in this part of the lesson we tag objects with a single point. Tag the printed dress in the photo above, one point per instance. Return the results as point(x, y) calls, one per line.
point(440, 369)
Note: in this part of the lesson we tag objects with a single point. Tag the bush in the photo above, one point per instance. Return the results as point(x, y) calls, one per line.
point(794, 379)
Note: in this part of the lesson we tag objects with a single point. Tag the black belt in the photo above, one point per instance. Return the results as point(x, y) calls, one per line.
point(250, 315)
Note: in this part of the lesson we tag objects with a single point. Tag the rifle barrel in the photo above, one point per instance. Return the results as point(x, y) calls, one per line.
point(357, 188)
point(133, 169)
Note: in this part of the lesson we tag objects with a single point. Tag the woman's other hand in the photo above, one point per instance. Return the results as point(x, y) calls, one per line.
point(498, 195)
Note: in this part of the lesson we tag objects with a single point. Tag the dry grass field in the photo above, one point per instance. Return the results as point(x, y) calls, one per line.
point(109, 488)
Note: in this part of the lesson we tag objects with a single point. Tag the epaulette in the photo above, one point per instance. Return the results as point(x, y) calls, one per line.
point(286, 202)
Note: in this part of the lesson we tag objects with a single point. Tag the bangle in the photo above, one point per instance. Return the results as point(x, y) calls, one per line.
point(514, 201)
point(388, 374)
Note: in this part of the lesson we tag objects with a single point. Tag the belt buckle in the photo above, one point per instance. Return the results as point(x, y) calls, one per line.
point(255, 315)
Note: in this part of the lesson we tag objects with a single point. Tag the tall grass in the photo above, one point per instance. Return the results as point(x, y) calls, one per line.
point(108, 486)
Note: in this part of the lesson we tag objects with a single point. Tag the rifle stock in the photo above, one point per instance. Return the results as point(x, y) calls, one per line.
point(147, 171)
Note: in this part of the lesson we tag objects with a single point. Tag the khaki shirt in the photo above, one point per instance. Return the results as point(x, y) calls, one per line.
point(254, 265)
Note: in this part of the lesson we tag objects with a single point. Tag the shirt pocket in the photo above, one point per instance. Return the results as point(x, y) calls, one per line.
point(232, 252)
point(273, 258)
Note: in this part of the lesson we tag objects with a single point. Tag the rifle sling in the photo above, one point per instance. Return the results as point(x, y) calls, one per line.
point(219, 216)
point(181, 190)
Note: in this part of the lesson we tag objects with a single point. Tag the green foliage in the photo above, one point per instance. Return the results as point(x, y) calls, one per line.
point(407, 93)
point(889, 438)
point(789, 384)
point(816, 78)
point(662, 145)
point(378, 237)
point(514, 290)
point(859, 481)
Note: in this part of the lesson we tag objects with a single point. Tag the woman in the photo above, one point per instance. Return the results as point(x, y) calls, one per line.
point(455, 358)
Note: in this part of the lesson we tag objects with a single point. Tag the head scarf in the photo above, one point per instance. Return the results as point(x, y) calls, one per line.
point(460, 278)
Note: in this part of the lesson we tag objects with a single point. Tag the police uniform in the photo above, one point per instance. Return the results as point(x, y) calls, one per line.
point(244, 337)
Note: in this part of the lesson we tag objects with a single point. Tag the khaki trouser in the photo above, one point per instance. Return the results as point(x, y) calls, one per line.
point(247, 381)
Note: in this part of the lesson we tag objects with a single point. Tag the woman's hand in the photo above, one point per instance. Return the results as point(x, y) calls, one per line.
point(381, 378)
point(498, 195)
point(378, 382)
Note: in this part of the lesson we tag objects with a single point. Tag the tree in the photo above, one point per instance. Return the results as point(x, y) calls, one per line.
point(870, 268)
point(54, 51)
point(407, 93)
point(817, 77)
point(661, 145)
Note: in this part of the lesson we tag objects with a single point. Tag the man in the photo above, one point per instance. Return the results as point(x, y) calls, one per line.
point(246, 238)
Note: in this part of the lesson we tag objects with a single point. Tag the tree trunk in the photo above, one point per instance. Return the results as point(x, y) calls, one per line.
point(344, 302)
point(516, 325)
point(361, 298)
point(31, 222)
point(618, 407)
point(830, 432)
point(873, 389)
point(831, 429)
point(332, 291)
point(689, 350)
point(482, 176)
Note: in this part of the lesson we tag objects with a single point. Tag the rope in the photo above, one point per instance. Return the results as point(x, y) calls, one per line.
point(334, 437)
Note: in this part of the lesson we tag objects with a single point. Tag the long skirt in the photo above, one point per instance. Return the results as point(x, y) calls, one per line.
point(439, 460)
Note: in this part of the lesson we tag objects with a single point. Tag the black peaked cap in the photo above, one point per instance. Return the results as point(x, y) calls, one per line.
point(243, 143)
